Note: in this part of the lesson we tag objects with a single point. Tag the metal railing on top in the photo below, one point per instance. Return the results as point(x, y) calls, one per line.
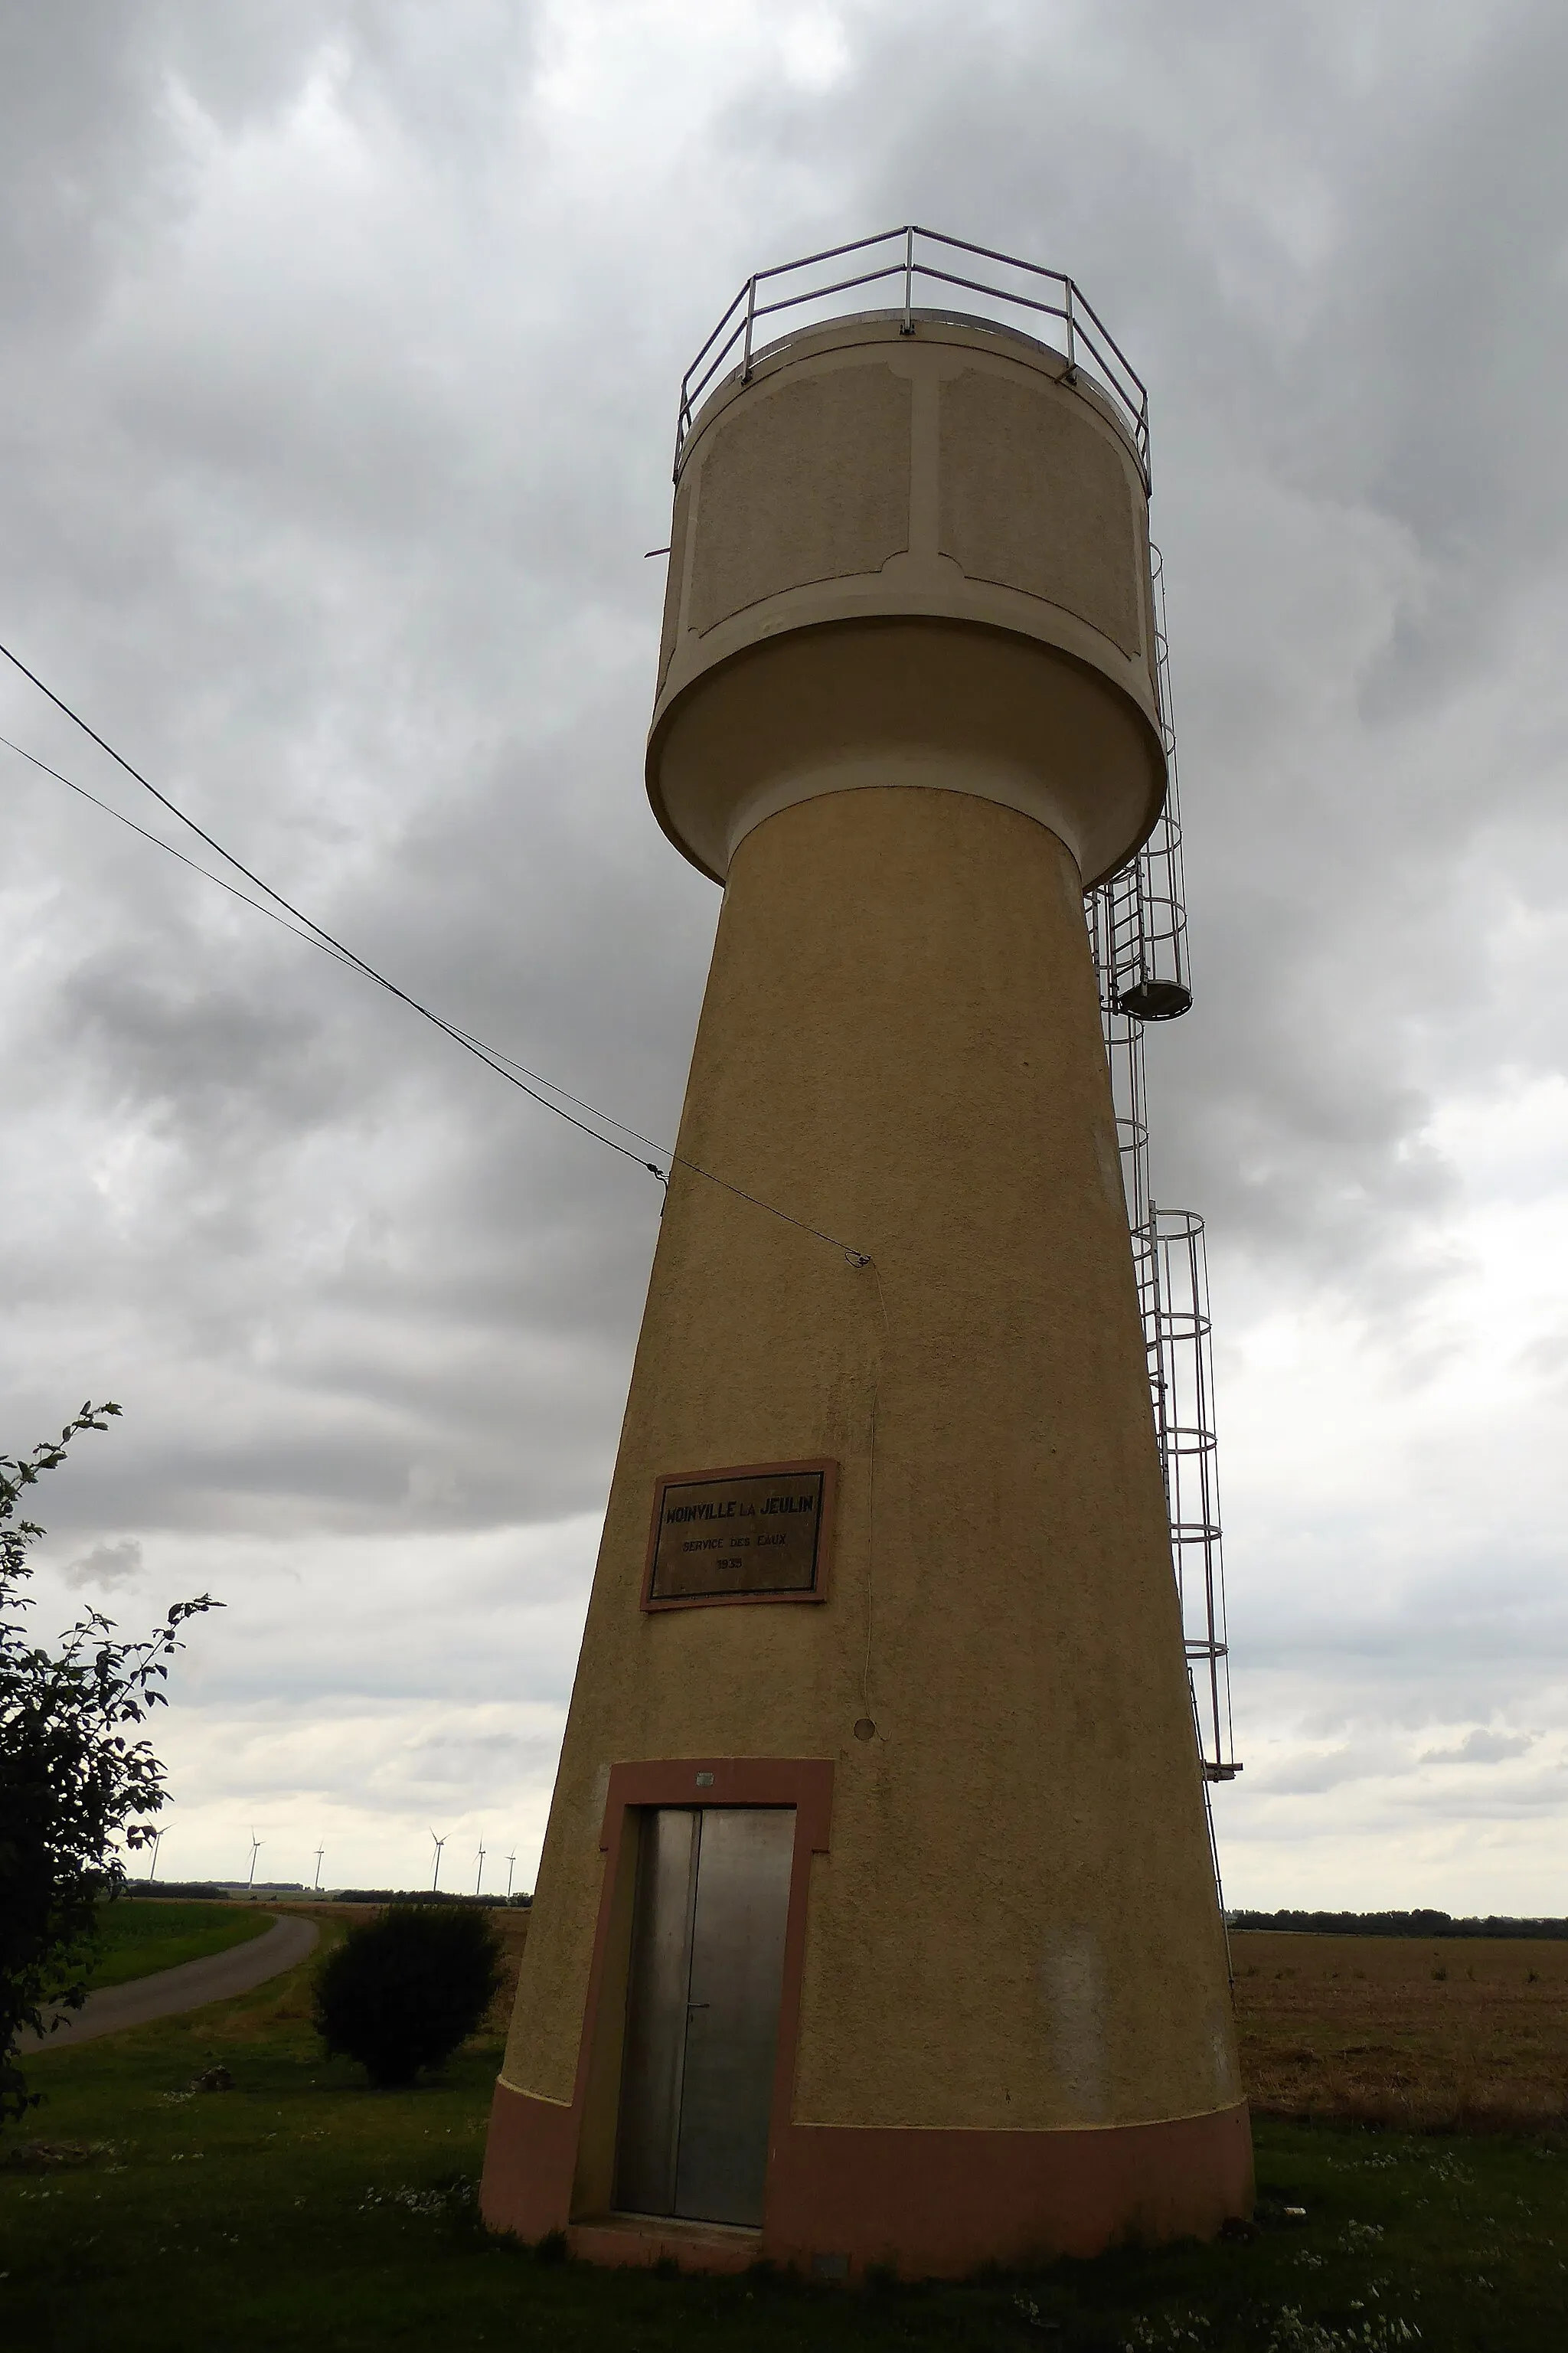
point(907, 254)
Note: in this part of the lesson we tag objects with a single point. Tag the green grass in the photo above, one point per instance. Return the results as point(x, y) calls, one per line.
point(304, 2210)
point(137, 1936)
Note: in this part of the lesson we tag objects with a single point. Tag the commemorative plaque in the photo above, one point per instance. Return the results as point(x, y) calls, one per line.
point(758, 1534)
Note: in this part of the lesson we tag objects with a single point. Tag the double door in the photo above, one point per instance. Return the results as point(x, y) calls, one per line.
point(706, 1973)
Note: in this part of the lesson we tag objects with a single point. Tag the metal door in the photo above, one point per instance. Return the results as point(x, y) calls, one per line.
point(707, 1971)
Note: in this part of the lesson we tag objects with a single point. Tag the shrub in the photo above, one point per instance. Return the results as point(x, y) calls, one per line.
point(403, 1989)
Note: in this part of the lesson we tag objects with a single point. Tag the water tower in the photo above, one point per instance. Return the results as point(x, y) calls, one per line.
point(876, 1920)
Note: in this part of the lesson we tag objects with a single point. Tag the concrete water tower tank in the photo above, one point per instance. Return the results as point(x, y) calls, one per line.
point(877, 1919)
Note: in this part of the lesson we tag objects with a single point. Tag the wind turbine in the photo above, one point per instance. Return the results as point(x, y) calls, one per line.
point(320, 1853)
point(153, 1867)
point(510, 1866)
point(435, 1874)
point(255, 1846)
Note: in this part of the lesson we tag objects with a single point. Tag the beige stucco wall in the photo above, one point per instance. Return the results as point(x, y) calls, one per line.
point(1016, 1923)
point(949, 497)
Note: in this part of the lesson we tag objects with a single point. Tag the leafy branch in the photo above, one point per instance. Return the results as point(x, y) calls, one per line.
point(76, 1780)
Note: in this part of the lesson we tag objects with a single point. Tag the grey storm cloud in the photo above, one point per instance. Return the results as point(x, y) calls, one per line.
point(344, 344)
point(107, 1565)
point(1482, 1748)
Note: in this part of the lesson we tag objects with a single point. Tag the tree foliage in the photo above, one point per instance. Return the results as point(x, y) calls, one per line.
point(403, 1989)
point(76, 1782)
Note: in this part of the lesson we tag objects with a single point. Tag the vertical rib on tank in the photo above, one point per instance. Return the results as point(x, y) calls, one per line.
point(906, 713)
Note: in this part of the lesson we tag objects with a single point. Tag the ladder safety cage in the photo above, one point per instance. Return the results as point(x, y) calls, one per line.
point(1144, 950)
point(1138, 933)
point(1182, 1383)
point(905, 259)
point(1171, 1270)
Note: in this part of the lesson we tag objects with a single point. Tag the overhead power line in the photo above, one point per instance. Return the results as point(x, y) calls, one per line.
point(319, 932)
point(314, 939)
point(159, 843)
point(305, 927)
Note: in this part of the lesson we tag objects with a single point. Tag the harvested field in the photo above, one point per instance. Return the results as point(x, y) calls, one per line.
point(1442, 2035)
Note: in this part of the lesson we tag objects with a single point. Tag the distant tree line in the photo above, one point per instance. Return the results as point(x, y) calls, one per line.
point(426, 1896)
point(1395, 1923)
point(192, 1890)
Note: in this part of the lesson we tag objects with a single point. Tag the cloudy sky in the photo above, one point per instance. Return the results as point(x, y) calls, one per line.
point(342, 340)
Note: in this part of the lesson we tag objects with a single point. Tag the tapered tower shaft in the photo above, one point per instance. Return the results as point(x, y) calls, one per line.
point(886, 1549)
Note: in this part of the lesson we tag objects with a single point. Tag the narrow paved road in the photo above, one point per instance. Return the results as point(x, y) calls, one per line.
point(190, 1985)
